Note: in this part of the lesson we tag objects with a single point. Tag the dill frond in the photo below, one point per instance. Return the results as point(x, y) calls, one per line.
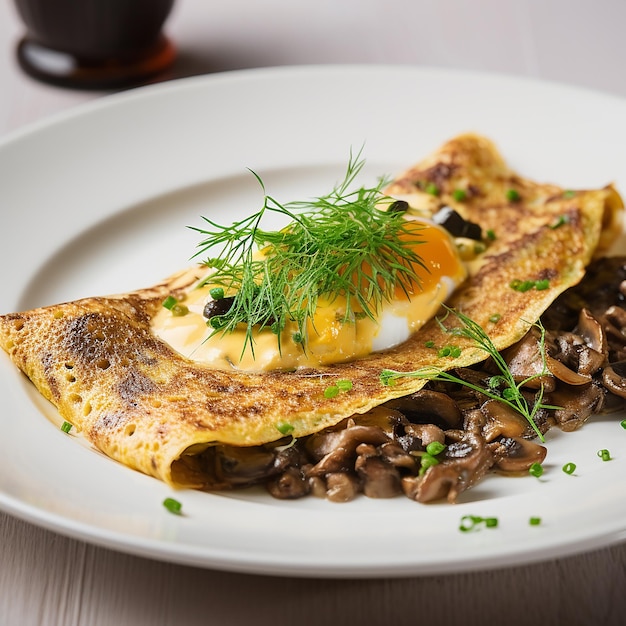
point(343, 244)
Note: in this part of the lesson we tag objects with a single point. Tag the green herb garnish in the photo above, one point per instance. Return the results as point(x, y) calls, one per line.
point(432, 189)
point(560, 221)
point(434, 448)
point(536, 470)
point(173, 506)
point(426, 461)
point(169, 302)
point(332, 391)
point(534, 521)
point(343, 244)
point(179, 310)
point(512, 195)
point(474, 522)
point(605, 455)
point(526, 285)
point(503, 387)
point(451, 351)
point(344, 384)
point(66, 427)
point(569, 468)
point(460, 195)
point(521, 285)
point(284, 428)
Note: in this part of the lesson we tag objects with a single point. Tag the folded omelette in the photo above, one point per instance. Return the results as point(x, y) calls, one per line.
point(135, 398)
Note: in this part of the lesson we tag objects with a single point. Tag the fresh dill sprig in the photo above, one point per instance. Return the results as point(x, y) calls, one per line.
point(502, 387)
point(344, 244)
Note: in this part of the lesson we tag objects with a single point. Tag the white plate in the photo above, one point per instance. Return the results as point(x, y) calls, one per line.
point(98, 201)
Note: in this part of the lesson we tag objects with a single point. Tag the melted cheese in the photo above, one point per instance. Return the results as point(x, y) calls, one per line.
point(331, 338)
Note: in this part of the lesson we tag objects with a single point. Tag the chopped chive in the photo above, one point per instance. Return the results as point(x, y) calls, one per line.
point(432, 189)
point(569, 193)
point(522, 285)
point(331, 392)
point(169, 302)
point(460, 195)
point(66, 427)
point(512, 195)
point(217, 322)
point(491, 235)
point(569, 468)
point(534, 521)
point(495, 318)
point(435, 447)
point(472, 522)
point(173, 506)
point(431, 344)
point(284, 428)
point(427, 460)
point(217, 293)
point(451, 351)
point(536, 470)
point(562, 219)
point(623, 424)
point(526, 285)
point(604, 454)
point(179, 310)
point(479, 247)
point(469, 522)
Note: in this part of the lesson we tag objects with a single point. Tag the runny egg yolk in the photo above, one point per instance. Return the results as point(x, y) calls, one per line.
point(330, 337)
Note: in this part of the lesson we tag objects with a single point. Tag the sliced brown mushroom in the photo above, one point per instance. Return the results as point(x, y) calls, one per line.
point(503, 421)
point(427, 406)
point(395, 455)
point(590, 329)
point(291, 484)
point(526, 363)
point(584, 351)
point(615, 328)
point(464, 463)
point(576, 404)
point(338, 448)
point(342, 487)
point(380, 479)
point(562, 372)
point(514, 454)
point(614, 378)
point(387, 419)
point(418, 436)
point(238, 466)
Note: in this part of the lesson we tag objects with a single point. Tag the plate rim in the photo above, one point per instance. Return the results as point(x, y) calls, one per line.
point(71, 528)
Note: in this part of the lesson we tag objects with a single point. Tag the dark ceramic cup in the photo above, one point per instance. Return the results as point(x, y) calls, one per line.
point(94, 43)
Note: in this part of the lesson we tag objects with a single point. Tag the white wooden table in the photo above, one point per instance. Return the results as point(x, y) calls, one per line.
point(51, 579)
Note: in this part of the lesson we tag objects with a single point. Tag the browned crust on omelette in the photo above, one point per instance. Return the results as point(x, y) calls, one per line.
point(98, 361)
